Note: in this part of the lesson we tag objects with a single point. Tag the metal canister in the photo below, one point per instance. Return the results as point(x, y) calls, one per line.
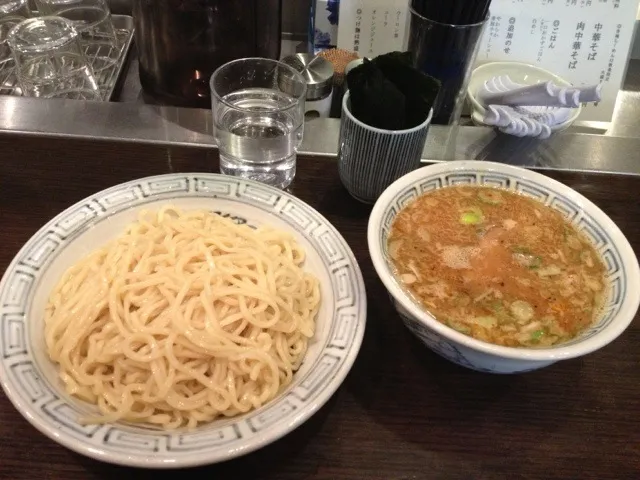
point(318, 73)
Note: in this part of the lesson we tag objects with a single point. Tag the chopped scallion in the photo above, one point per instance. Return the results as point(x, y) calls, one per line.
point(471, 216)
point(521, 249)
point(537, 335)
point(536, 262)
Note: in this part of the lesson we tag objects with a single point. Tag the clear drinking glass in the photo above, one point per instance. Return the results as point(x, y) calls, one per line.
point(12, 12)
point(258, 117)
point(92, 19)
point(49, 60)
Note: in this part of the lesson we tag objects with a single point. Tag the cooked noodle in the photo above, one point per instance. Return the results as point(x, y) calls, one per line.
point(183, 318)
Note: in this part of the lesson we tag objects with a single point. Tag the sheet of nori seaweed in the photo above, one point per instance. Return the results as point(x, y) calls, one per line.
point(375, 100)
point(389, 93)
point(419, 89)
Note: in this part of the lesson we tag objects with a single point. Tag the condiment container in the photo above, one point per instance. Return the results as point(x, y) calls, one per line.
point(181, 43)
point(318, 72)
point(339, 59)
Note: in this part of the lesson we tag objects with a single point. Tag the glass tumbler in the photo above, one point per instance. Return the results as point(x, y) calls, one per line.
point(12, 12)
point(92, 19)
point(446, 52)
point(49, 60)
point(258, 117)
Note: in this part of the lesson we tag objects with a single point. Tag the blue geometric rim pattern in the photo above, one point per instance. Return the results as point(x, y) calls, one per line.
point(21, 374)
point(579, 218)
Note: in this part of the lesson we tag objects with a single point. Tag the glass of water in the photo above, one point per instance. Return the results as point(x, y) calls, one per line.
point(258, 117)
point(49, 62)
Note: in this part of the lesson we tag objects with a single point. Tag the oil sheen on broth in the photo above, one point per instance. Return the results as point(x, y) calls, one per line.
point(497, 266)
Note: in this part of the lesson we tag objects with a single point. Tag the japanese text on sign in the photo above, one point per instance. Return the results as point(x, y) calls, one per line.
point(373, 27)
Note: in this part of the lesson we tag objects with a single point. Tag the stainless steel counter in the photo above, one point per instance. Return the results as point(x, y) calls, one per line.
point(614, 147)
point(133, 122)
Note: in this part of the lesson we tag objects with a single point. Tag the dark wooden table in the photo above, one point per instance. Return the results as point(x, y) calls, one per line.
point(403, 412)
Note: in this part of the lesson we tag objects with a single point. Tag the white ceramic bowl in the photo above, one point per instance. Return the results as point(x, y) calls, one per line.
point(30, 379)
point(622, 265)
point(522, 73)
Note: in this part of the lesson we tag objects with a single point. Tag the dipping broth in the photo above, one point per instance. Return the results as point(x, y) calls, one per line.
point(498, 266)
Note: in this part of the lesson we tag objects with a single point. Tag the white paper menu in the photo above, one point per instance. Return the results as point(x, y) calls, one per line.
point(373, 27)
point(583, 41)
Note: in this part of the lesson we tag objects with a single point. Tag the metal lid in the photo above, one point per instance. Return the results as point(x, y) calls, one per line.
point(316, 70)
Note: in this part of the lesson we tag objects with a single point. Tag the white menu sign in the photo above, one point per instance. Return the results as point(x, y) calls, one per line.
point(373, 27)
point(583, 41)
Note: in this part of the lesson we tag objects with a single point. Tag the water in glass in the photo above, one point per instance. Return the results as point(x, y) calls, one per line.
point(258, 131)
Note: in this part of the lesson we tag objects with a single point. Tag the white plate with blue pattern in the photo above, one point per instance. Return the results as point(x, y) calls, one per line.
point(622, 271)
point(30, 379)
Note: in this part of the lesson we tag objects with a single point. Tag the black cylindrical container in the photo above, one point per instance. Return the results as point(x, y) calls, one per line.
point(181, 42)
